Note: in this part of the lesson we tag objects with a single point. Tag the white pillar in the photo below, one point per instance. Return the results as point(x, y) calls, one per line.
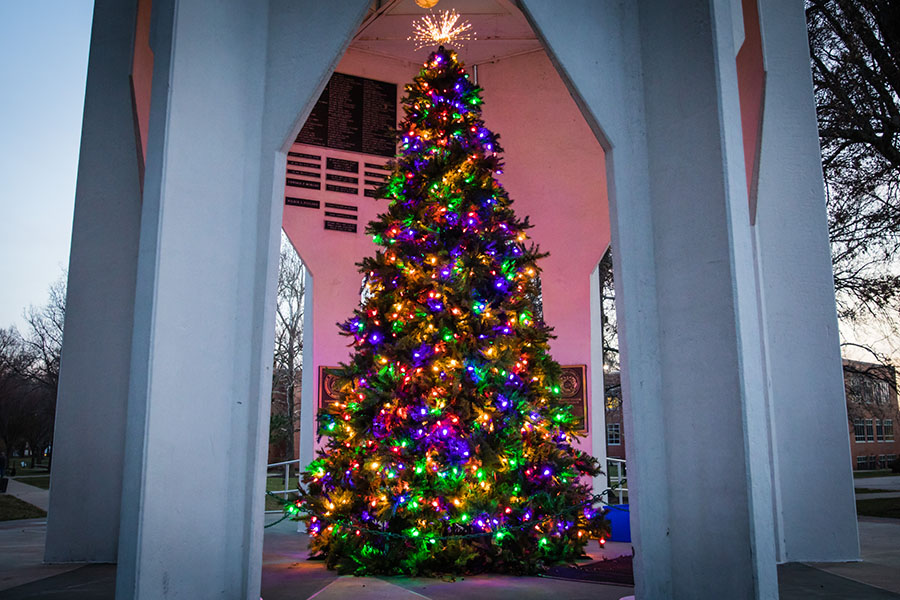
point(228, 86)
point(661, 86)
point(816, 511)
point(88, 445)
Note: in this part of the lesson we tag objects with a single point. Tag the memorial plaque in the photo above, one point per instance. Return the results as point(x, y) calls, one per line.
point(376, 183)
point(304, 155)
point(300, 183)
point(378, 175)
point(302, 202)
point(341, 164)
point(340, 226)
point(341, 188)
point(373, 193)
point(340, 206)
point(355, 114)
point(304, 173)
point(342, 178)
point(306, 165)
point(328, 392)
point(377, 166)
point(340, 215)
point(379, 117)
point(572, 392)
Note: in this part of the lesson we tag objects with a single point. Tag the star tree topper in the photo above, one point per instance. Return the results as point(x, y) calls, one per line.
point(442, 28)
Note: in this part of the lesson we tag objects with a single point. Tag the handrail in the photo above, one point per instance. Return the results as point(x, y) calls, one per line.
point(287, 480)
point(617, 482)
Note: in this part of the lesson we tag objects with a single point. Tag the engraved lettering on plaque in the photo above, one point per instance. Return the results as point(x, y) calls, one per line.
point(340, 226)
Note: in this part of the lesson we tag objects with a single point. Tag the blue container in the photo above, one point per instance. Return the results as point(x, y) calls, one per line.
point(618, 517)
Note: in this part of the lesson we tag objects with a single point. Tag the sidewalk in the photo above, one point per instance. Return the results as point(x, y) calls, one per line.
point(30, 494)
point(288, 575)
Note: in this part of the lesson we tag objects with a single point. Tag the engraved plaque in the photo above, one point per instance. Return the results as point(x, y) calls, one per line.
point(340, 206)
point(304, 173)
point(340, 188)
point(342, 164)
point(328, 392)
point(301, 202)
point(340, 226)
point(341, 178)
point(300, 183)
point(338, 215)
point(572, 392)
point(355, 114)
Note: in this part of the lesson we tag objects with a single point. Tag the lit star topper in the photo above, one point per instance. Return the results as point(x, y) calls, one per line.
point(441, 28)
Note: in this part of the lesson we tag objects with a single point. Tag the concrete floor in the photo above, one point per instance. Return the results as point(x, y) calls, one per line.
point(288, 575)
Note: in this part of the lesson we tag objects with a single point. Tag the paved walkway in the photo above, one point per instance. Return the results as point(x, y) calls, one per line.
point(288, 575)
point(30, 494)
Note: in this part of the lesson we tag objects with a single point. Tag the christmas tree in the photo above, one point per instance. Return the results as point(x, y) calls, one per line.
point(448, 451)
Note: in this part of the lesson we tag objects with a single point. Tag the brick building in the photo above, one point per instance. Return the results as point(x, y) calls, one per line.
point(873, 413)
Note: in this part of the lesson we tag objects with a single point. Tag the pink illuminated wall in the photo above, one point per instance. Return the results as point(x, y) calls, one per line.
point(751, 88)
point(142, 77)
point(555, 172)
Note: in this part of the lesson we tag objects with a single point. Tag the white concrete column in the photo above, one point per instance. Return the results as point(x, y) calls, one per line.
point(660, 84)
point(88, 445)
point(228, 86)
point(816, 512)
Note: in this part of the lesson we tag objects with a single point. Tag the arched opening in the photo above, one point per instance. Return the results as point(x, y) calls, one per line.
point(555, 171)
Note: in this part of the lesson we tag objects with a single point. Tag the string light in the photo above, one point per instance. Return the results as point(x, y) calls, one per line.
point(451, 425)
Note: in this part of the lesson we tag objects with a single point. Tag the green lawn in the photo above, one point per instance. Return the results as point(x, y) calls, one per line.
point(42, 481)
point(879, 507)
point(277, 483)
point(12, 508)
point(867, 474)
point(39, 469)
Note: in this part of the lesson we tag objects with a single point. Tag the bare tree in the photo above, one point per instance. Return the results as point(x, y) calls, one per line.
point(609, 327)
point(855, 54)
point(45, 336)
point(288, 359)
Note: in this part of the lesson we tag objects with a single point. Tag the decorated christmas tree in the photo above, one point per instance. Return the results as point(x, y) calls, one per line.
point(448, 451)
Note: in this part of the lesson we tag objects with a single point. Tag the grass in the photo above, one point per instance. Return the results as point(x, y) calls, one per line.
point(11, 508)
point(16, 461)
point(41, 481)
point(879, 507)
point(868, 474)
point(274, 484)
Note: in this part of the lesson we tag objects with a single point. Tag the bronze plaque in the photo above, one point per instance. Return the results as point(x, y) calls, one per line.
point(328, 392)
point(572, 391)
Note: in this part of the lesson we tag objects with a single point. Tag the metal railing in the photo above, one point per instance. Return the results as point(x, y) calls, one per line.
point(617, 480)
point(287, 479)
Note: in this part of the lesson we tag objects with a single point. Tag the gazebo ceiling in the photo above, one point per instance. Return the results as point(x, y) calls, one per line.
point(499, 26)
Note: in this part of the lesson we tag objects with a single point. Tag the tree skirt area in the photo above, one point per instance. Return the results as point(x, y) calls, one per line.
point(616, 570)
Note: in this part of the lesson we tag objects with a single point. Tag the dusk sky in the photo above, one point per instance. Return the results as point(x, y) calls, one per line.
point(43, 61)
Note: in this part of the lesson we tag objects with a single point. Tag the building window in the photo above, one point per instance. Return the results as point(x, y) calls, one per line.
point(870, 431)
point(859, 430)
point(860, 462)
point(890, 458)
point(881, 463)
point(873, 461)
point(879, 430)
point(613, 434)
point(889, 430)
